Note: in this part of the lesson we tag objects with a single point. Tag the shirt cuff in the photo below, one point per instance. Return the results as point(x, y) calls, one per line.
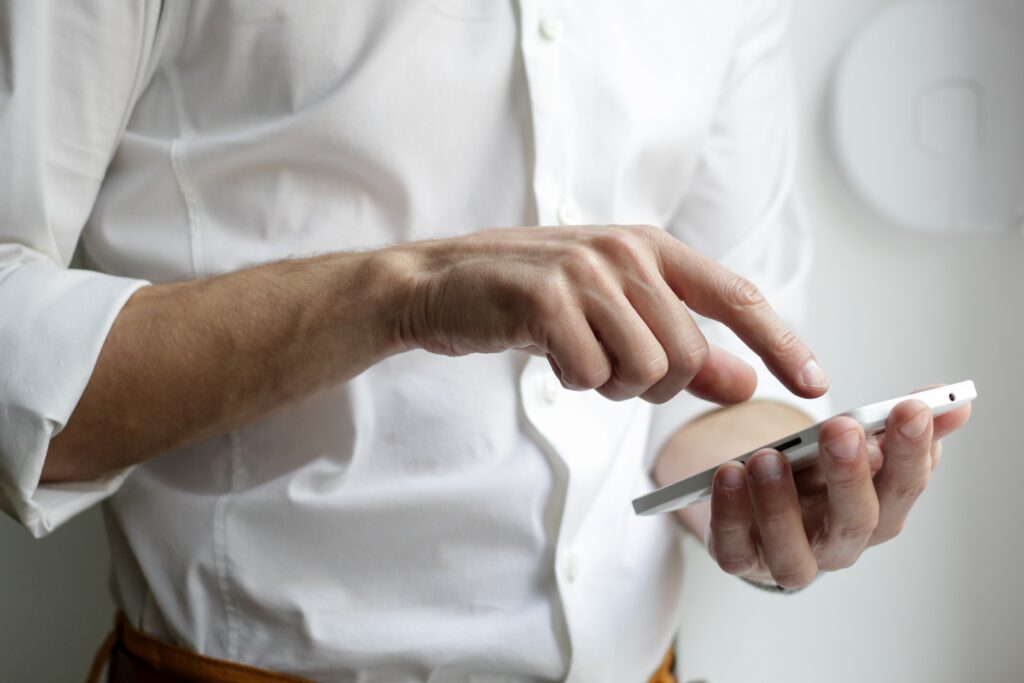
point(60, 320)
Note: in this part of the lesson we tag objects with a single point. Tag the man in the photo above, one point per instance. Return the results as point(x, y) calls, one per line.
point(348, 434)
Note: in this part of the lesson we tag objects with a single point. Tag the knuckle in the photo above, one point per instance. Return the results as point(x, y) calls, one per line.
point(850, 484)
point(742, 293)
point(651, 235)
point(591, 376)
point(550, 295)
point(648, 231)
point(794, 577)
point(908, 457)
point(627, 247)
point(613, 390)
point(581, 263)
point(910, 491)
point(785, 342)
point(735, 565)
point(777, 522)
point(642, 374)
point(839, 562)
point(856, 532)
point(661, 394)
point(889, 531)
point(694, 355)
point(569, 383)
point(649, 373)
point(686, 362)
point(722, 527)
point(776, 519)
point(612, 240)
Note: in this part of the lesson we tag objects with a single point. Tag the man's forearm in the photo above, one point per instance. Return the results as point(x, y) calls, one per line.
point(189, 360)
point(717, 437)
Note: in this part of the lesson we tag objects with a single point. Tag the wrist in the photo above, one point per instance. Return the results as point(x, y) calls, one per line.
point(417, 274)
point(397, 280)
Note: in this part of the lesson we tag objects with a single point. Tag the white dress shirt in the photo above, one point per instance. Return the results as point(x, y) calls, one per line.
point(434, 519)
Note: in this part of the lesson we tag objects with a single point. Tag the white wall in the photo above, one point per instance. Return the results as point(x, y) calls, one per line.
point(55, 607)
point(891, 310)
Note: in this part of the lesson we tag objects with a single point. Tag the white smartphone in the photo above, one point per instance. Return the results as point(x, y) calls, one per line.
point(801, 448)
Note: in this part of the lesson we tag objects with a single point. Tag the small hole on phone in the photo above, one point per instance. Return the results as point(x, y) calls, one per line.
point(952, 397)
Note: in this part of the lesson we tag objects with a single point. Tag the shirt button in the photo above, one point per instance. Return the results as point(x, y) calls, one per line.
point(568, 213)
point(550, 390)
point(551, 28)
point(573, 566)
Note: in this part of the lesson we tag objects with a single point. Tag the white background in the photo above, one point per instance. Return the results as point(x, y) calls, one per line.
point(890, 310)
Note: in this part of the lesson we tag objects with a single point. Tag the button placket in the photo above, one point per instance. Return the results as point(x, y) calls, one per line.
point(551, 28)
point(549, 407)
point(568, 213)
point(543, 57)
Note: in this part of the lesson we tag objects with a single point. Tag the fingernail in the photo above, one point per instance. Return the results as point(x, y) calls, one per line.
point(915, 427)
point(844, 446)
point(765, 466)
point(813, 375)
point(730, 477)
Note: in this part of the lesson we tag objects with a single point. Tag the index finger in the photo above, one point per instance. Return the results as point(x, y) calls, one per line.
point(716, 292)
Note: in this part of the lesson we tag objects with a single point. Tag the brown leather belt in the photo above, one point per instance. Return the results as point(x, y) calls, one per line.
point(136, 657)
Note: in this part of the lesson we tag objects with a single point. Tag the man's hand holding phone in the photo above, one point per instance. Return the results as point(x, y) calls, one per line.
point(608, 306)
point(770, 525)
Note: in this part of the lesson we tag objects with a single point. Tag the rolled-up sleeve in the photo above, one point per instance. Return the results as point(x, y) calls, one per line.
point(742, 209)
point(69, 76)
